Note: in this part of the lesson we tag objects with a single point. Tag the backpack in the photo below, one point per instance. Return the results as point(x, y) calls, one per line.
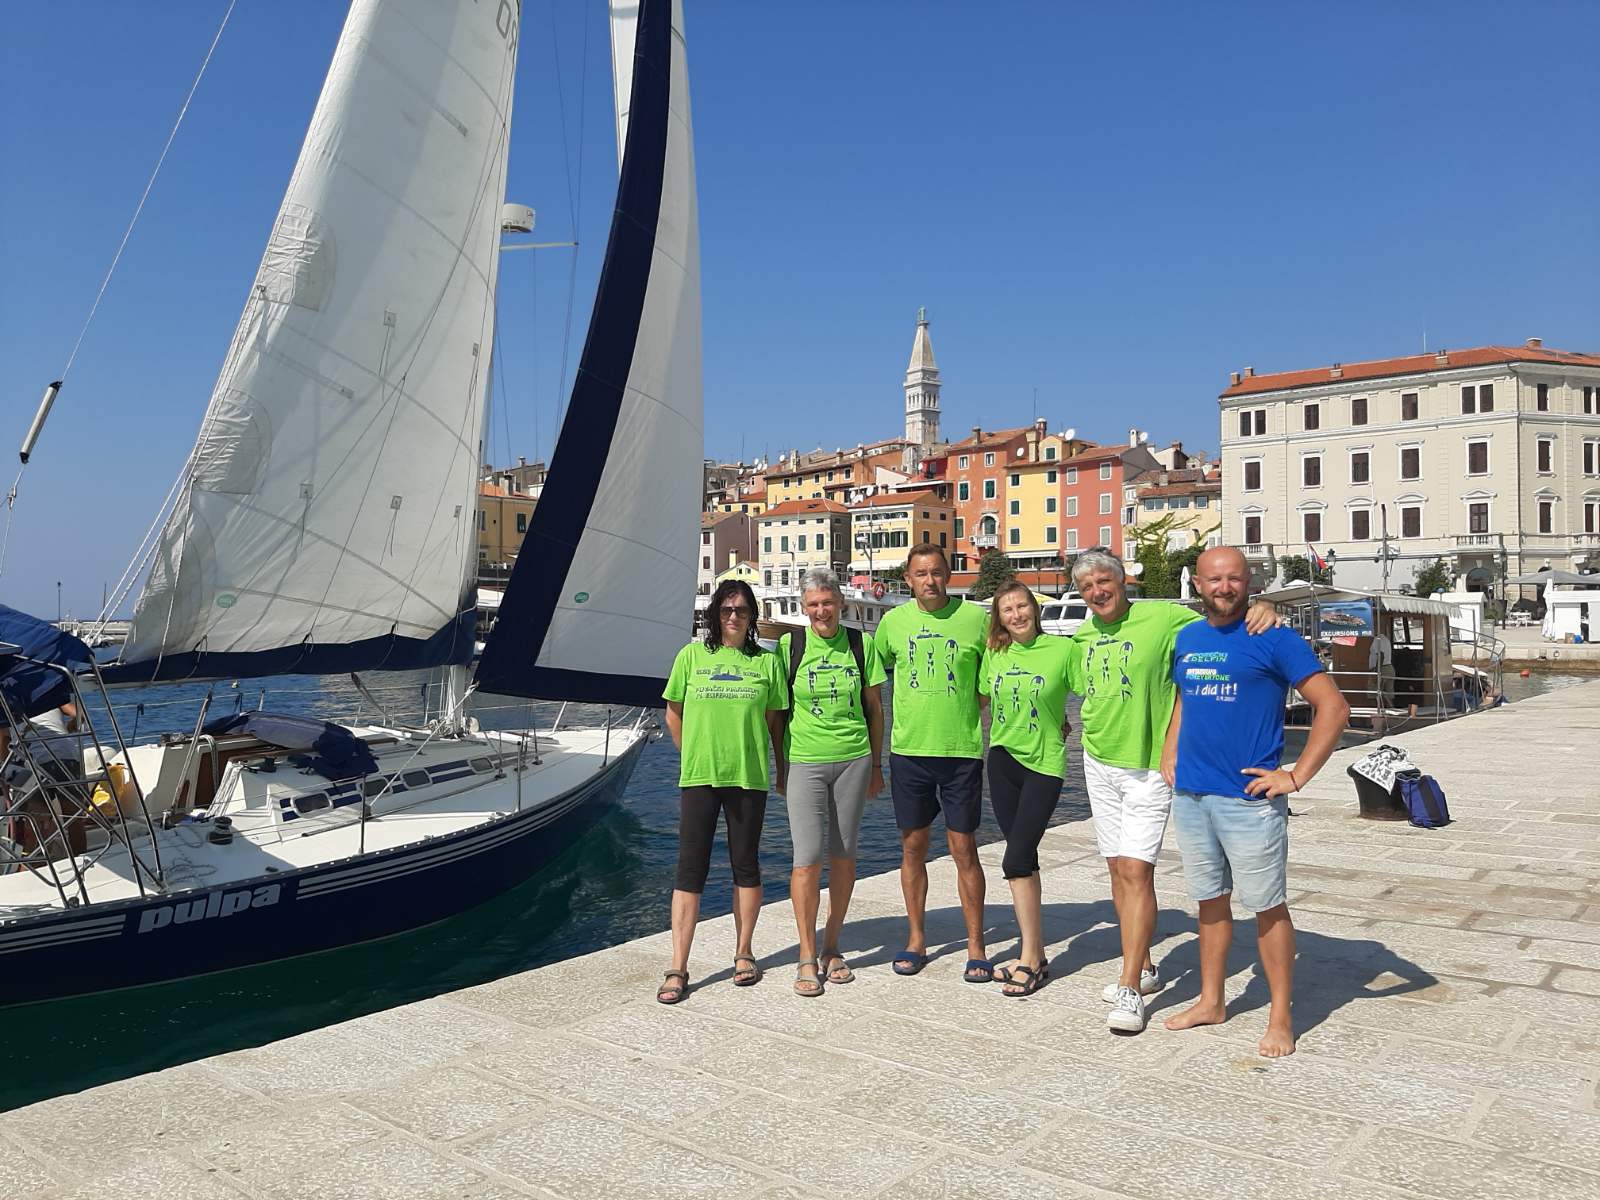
point(797, 652)
point(1423, 799)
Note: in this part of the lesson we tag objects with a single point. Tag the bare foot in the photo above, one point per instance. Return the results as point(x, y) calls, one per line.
point(1278, 1042)
point(1198, 1013)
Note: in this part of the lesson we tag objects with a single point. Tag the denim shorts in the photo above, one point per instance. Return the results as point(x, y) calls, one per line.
point(1233, 844)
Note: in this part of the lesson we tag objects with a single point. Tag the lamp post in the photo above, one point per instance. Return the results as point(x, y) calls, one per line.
point(1333, 557)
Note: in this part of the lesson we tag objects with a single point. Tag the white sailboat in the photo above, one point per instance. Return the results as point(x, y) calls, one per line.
point(323, 524)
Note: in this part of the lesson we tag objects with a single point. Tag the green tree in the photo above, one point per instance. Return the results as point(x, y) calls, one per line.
point(994, 572)
point(1433, 577)
point(1161, 574)
point(1298, 566)
point(893, 574)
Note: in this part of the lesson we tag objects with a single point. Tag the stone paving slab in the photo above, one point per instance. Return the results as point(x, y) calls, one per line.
point(1447, 1000)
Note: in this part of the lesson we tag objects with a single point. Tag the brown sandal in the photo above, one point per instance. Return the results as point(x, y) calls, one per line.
point(671, 993)
point(804, 986)
point(746, 976)
point(839, 974)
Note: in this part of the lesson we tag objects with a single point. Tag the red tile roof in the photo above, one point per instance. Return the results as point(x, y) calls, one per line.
point(1095, 455)
point(991, 438)
point(899, 499)
point(800, 508)
point(1413, 364)
point(1181, 489)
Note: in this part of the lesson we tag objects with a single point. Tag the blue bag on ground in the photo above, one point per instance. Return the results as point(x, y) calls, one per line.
point(1423, 798)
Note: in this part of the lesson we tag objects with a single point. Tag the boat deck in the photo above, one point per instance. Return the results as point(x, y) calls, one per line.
point(1448, 1000)
point(265, 843)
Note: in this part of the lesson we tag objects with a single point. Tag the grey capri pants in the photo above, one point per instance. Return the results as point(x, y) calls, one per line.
point(825, 804)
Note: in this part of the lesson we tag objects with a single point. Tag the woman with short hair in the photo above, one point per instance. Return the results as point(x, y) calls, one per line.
point(1024, 675)
point(725, 700)
point(832, 751)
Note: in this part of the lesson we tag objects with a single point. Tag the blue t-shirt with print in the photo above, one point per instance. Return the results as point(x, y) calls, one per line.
point(1234, 688)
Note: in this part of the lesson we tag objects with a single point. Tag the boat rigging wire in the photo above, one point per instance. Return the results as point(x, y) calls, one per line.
point(72, 356)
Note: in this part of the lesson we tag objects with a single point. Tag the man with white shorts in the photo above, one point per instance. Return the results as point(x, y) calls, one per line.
point(1122, 667)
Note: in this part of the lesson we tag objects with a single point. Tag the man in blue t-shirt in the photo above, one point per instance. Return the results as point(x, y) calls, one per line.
point(1231, 807)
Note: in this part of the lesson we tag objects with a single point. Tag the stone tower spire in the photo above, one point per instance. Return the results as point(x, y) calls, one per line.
point(922, 388)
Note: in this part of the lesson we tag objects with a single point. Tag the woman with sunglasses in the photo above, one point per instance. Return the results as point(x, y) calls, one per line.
point(1024, 675)
point(725, 703)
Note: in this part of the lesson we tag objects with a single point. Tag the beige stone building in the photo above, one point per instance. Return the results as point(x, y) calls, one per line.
point(1489, 458)
point(798, 535)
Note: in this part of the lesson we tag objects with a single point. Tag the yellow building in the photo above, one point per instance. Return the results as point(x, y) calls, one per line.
point(1189, 501)
point(890, 523)
point(503, 518)
point(1032, 516)
point(743, 571)
point(754, 503)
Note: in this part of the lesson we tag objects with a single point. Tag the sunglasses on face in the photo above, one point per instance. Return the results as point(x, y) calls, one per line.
point(734, 610)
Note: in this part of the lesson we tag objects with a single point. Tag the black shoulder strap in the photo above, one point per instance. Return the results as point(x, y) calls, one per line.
point(797, 651)
point(859, 649)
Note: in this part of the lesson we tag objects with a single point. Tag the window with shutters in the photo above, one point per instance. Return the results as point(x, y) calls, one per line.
point(1545, 456)
point(1408, 406)
point(1361, 466)
point(1469, 399)
point(1547, 516)
point(1358, 411)
point(1252, 531)
point(1411, 521)
point(1313, 416)
point(1360, 524)
point(1311, 470)
point(1311, 526)
point(1252, 475)
point(1411, 462)
point(1478, 517)
point(1542, 397)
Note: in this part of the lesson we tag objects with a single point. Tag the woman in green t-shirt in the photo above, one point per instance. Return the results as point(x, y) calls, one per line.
point(1024, 675)
point(725, 701)
point(832, 751)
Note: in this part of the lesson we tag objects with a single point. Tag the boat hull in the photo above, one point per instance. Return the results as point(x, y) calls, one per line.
point(290, 913)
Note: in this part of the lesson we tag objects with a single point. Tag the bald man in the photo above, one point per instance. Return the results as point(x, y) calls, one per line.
point(1231, 795)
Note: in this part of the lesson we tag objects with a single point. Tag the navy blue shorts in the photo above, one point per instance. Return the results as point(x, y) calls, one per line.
point(923, 787)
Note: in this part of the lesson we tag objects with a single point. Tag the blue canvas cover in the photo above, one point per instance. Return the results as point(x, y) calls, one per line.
point(336, 753)
point(31, 688)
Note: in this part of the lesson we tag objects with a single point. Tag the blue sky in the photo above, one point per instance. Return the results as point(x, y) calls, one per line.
point(1112, 204)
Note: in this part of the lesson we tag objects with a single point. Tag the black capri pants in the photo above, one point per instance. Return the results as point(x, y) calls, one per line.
point(746, 809)
point(1024, 801)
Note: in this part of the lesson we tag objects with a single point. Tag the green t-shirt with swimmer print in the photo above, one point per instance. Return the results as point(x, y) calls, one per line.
point(1123, 671)
point(828, 724)
point(1027, 690)
point(725, 695)
point(935, 658)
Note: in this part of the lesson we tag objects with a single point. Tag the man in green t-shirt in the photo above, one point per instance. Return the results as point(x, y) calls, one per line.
point(1121, 665)
point(934, 645)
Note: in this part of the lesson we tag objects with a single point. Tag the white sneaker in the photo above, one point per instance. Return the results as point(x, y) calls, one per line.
point(1127, 1016)
point(1149, 985)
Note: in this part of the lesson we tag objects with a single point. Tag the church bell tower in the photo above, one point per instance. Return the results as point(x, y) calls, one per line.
point(922, 389)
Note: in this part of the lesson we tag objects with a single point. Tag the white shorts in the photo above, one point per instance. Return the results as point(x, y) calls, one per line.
point(1130, 808)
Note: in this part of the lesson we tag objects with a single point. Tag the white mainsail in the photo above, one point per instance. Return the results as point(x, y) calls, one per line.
point(601, 598)
point(325, 518)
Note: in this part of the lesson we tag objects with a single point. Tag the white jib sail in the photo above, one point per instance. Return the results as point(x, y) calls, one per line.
point(626, 605)
point(330, 495)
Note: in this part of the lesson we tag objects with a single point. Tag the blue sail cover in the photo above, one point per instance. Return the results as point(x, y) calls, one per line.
point(451, 645)
point(32, 688)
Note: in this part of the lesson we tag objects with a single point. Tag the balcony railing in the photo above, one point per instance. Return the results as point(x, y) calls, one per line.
point(1256, 550)
point(984, 541)
point(1478, 539)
